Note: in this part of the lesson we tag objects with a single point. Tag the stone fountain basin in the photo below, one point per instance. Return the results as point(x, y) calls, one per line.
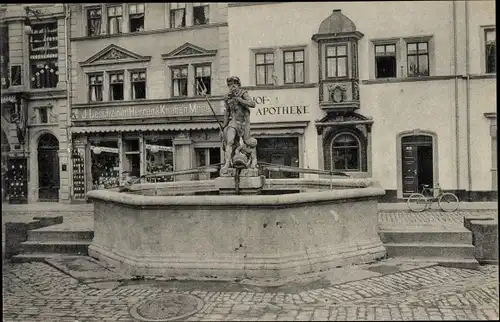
point(238, 237)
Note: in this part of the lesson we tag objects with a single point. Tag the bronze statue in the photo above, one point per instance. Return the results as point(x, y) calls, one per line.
point(236, 126)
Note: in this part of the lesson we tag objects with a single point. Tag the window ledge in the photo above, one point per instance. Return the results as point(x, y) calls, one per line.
point(406, 79)
point(287, 86)
point(149, 32)
point(482, 76)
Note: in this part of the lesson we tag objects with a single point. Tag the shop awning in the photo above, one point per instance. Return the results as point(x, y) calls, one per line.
point(145, 127)
point(278, 129)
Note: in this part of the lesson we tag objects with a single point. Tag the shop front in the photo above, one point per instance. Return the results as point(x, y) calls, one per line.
point(282, 122)
point(115, 142)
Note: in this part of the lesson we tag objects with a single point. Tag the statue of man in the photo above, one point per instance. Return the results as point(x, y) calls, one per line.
point(236, 124)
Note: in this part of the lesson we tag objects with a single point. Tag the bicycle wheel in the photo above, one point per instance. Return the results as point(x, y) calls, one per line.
point(417, 202)
point(448, 202)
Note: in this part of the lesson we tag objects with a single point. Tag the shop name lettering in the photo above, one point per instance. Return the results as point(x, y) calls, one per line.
point(133, 111)
point(278, 110)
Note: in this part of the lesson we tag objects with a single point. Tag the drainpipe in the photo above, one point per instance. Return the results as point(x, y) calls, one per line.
point(68, 91)
point(455, 72)
point(467, 72)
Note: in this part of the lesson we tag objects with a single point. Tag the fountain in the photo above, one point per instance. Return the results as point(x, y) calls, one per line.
point(240, 225)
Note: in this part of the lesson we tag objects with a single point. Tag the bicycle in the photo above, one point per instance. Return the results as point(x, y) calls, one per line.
point(418, 202)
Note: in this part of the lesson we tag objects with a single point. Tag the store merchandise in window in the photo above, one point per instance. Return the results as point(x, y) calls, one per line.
point(17, 176)
point(78, 174)
point(159, 158)
point(105, 165)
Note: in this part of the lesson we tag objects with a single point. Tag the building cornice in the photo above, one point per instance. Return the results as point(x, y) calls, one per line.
point(246, 4)
point(150, 32)
point(276, 87)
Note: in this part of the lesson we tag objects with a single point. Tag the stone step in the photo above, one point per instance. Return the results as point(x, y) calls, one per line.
point(58, 247)
point(430, 250)
point(38, 257)
point(462, 236)
point(54, 235)
point(466, 263)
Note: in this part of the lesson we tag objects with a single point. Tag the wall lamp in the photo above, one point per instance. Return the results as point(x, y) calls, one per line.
point(27, 23)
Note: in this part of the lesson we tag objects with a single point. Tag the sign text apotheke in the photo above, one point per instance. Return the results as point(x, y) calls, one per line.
point(161, 110)
point(267, 105)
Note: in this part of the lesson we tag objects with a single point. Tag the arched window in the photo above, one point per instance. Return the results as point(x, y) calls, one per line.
point(346, 153)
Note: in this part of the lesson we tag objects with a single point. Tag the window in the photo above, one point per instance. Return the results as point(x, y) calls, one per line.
point(345, 153)
point(200, 13)
point(418, 59)
point(294, 66)
point(94, 16)
point(138, 80)
point(177, 15)
point(385, 61)
point(44, 115)
point(95, 88)
point(115, 20)
point(43, 50)
point(336, 61)
point(491, 51)
point(179, 81)
point(116, 86)
point(264, 69)
point(136, 17)
point(16, 75)
point(280, 151)
point(4, 55)
point(203, 79)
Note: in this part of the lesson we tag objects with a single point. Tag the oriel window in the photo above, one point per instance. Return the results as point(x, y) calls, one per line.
point(418, 59)
point(94, 21)
point(200, 13)
point(203, 79)
point(138, 80)
point(294, 66)
point(264, 69)
point(179, 81)
point(491, 51)
point(136, 17)
point(336, 61)
point(95, 87)
point(116, 86)
point(177, 15)
point(385, 61)
point(115, 18)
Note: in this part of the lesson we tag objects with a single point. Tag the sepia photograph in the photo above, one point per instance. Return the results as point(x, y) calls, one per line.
point(249, 161)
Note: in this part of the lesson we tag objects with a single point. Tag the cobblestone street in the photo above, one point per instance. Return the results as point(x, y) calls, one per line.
point(39, 292)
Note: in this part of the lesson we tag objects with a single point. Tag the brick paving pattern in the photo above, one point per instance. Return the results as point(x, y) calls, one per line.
point(38, 292)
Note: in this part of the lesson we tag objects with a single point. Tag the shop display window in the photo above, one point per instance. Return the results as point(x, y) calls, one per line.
point(159, 158)
point(105, 164)
point(207, 156)
point(279, 151)
point(78, 174)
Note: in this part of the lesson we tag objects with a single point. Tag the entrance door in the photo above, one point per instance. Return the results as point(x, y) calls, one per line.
point(48, 168)
point(417, 161)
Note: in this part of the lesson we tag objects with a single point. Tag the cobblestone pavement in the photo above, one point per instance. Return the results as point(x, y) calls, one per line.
point(38, 292)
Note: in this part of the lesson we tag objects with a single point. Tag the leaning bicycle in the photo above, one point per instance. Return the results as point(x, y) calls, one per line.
point(418, 202)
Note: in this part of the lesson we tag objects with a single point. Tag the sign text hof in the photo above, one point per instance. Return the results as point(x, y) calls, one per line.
point(267, 105)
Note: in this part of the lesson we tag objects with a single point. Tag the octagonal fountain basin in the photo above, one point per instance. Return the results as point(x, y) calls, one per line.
point(294, 227)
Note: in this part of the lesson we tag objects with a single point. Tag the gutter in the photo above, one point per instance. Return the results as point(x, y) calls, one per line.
point(467, 73)
point(457, 116)
point(68, 93)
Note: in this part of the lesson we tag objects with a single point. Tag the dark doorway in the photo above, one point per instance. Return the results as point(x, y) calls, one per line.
point(418, 163)
point(48, 168)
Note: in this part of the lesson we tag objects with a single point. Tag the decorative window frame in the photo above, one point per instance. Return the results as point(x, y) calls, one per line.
point(360, 152)
point(386, 41)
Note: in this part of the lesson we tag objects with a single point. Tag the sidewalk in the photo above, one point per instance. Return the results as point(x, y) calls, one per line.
point(63, 207)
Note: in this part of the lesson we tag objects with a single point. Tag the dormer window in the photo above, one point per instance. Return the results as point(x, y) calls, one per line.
point(336, 61)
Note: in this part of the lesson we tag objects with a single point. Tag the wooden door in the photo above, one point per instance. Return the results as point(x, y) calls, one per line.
point(410, 166)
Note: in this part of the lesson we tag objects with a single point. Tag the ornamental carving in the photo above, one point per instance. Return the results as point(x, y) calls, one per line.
point(355, 90)
point(188, 51)
point(337, 93)
point(114, 54)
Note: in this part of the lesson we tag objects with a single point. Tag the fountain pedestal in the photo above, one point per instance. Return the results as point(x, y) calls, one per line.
point(250, 183)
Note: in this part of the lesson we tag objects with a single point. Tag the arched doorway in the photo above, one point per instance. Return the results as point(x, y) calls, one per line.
point(5, 151)
point(417, 163)
point(48, 168)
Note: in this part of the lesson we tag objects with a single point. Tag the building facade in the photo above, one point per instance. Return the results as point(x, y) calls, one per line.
point(394, 91)
point(138, 72)
point(34, 105)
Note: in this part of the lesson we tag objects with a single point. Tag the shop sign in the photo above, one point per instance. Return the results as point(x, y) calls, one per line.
point(146, 111)
point(282, 107)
